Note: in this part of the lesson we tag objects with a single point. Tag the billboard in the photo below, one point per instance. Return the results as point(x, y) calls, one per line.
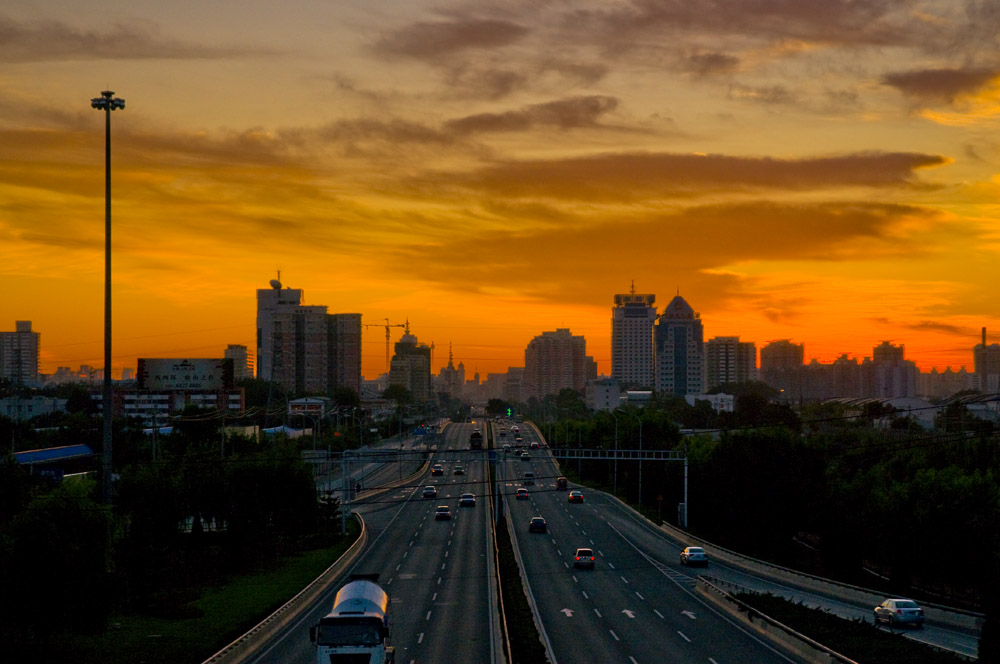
point(185, 374)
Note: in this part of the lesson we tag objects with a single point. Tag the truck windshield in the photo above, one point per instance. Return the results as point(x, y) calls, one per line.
point(349, 632)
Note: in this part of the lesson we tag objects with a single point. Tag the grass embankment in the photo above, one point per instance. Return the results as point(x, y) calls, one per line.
point(525, 642)
point(229, 610)
point(856, 639)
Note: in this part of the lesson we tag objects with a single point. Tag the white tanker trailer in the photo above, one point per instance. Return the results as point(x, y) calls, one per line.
point(356, 631)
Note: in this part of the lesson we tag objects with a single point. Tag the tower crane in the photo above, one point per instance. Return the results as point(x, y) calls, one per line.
point(387, 326)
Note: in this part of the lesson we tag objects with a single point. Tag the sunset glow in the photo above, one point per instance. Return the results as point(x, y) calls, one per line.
point(823, 170)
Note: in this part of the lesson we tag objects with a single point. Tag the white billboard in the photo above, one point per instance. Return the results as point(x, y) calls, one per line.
point(185, 374)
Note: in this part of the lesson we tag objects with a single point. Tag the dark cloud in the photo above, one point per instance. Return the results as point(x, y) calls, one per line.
point(572, 113)
point(486, 83)
point(769, 95)
point(634, 176)
point(933, 326)
point(942, 85)
point(54, 41)
point(709, 64)
point(693, 242)
point(445, 38)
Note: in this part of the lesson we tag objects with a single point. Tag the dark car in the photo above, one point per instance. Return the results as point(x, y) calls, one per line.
point(459, 470)
point(536, 525)
point(584, 558)
point(442, 513)
point(467, 500)
point(575, 496)
point(522, 494)
point(437, 469)
point(895, 612)
point(528, 479)
point(561, 483)
point(430, 492)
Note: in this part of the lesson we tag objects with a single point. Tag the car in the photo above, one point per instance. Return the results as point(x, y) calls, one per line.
point(437, 469)
point(459, 470)
point(694, 555)
point(506, 448)
point(584, 558)
point(518, 440)
point(525, 456)
point(503, 433)
point(575, 496)
point(430, 492)
point(442, 513)
point(516, 429)
point(467, 500)
point(561, 483)
point(533, 445)
point(528, 479)
point(522, 494)
point(537, 525)
point(900, 612)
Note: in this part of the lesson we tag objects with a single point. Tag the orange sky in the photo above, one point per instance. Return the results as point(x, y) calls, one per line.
point(819, 170)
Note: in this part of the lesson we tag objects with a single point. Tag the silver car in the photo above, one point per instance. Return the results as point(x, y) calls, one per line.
point(694, 555)
point(899, 612)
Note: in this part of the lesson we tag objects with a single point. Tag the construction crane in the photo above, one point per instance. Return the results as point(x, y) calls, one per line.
point(387, 326)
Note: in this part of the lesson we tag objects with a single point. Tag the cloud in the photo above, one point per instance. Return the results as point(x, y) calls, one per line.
point(430, 41)
point(769, 95)
point(636, 176)
point(963, 331)
point(710, 64)
point(48, 41)
point(486, 83)
point(572, 113)
point(941, 85)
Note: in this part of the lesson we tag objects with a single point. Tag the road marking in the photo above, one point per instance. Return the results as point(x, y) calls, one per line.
point(658, 613)
point(411, 541)
point(389, 582)
point(614, 635)
point(637, 594)
point(712, 661)
point(575, 580)
point(583, 531)
point(598, 613)
point(609, 564)
point(439, 580)
point(601, 554)
point(559, 551)
point(445, 554)
point(406, 553)
point(632, 659)
point(428, 616)
point(566, 564)
point(689, 614)
point(624, 579)
point(591, 542)
point(398, 566)
point(683, 636)
point(420, 639)
point(630, 614)
point(568, 612)
point(434, 598)
point(585, 595)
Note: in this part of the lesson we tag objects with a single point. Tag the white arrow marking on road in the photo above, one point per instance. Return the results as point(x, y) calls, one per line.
point(628, 613)
point(689, 614)
point(568, 612)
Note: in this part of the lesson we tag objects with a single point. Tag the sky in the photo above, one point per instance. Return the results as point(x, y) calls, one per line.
point(825, 171)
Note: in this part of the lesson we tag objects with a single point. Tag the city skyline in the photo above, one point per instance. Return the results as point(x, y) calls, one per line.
point(492, 171)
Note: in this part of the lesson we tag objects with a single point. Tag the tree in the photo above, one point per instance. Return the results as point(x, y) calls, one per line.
point(345, 397)
point(399, 393)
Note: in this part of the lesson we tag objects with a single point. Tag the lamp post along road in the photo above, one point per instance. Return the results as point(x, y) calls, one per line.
point(107, 102)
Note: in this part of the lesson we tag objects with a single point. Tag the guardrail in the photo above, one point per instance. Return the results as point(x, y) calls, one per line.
point(768, 627)
point(934, 613)
point(244, 646)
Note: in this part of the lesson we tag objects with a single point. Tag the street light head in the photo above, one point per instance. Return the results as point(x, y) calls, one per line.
point(117, 103)
point(99, 102)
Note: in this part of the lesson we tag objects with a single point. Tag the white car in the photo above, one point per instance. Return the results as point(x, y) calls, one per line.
point(694, 555)
point(467, 500)
point(895, 612)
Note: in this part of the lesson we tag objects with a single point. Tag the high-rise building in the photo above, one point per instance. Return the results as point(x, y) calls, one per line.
point(19, 354)
point(632, 320)
point(729, 360)
point(987, 366)
point(554, 361)
point(304, 348)
point(411, 366)
point(242, 364)
point(680, 350)
point(888, 375)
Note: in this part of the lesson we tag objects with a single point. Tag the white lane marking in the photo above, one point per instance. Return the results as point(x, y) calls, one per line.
point(630, 614)
point(420, 639)
point(712, 661)
point(406, 553)
point(639, 595)
point(575, 580)
point(559, 552)
point(445, 554)
point(624, 579)
point(658, 613)
point(585, 595)
point(389, 582)
point(398, 566)
point(583, 531)
point(614, 635)
point(566, 564)
point(632, 659)
point(434, 598)
point(553, 541)
point(601, 554)
point(598, 613)
point(591, 542)
point(443, 564)
point(439, 580)
point(428, 616)
point(683, 636)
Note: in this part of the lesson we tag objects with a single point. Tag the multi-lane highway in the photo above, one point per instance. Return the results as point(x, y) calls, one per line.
point(436, 573)
point(632, 607)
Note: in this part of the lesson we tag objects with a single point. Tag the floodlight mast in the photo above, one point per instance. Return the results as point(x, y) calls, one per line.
point(107, 102)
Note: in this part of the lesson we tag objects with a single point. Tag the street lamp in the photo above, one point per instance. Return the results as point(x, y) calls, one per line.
point(615, 489)
point(107, 102)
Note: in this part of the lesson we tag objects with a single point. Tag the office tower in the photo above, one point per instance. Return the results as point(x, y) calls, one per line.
point(304, 348)
point(554, 361)
point(888, 374)
point(680, 350)
point(729, 360)
point(987, 366)
point(19, 354)
point(632, 320)
point(411, 366)
point(240, 356)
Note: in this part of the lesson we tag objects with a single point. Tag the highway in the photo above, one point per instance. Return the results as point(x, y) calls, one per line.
point(435, 572)
point(633, 607)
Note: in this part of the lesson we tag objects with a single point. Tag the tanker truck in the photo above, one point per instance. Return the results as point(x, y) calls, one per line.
point(356, 631)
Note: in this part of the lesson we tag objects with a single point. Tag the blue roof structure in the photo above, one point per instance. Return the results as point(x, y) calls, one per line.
point(52, 454)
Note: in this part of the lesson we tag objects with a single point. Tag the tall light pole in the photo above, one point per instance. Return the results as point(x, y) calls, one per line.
point(615, 486)
point(107, 102)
